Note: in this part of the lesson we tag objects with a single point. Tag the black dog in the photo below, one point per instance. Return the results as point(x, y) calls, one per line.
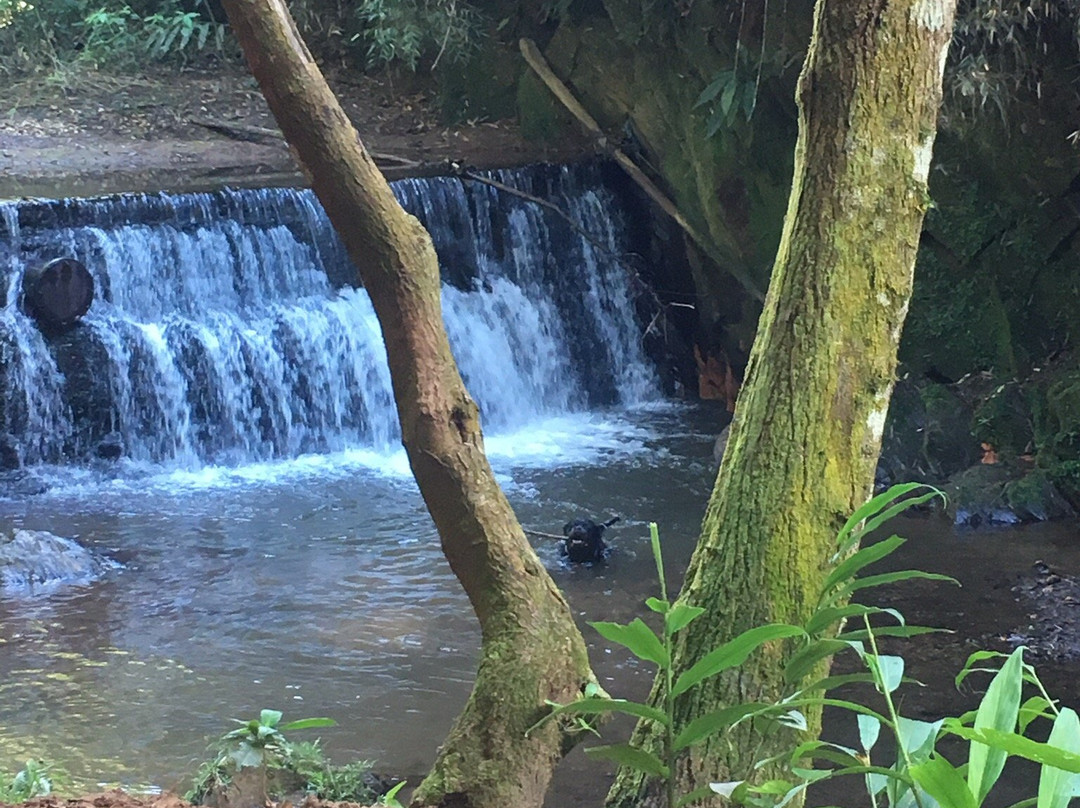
point(584, 540)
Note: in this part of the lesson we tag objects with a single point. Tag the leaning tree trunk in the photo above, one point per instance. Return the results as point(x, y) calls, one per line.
point(531, 649)
point(808, 424)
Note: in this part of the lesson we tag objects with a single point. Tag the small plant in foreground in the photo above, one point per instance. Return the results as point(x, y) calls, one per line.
point(921, 776)
point(821, 636)
point(35, 779)
point(260, 746)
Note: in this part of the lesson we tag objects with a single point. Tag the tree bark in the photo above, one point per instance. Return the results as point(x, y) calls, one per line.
point(808, 423)
point(531, 649)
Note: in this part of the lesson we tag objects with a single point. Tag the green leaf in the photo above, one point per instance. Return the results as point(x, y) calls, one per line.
point(847, 568)
point(1020, 746)
point(733, 653)
point(806, 659)
point(978, 656)
point(657, 605)
point(723, 78)
point(269, 718)
point(917, 738)
point(705, 725)
point(998, 710)
point(891, 631)
point(680, 616)
point(869, 581)
point(871, 507)
point(699, 794)
point(890, 670)
point(943, 782)
point(637, 637)
point(1057, 786)
point(597, 706)
point(894, 510)
point(246, 756)
point(869, 728)
point(839, 680)
point(658, 557)
point(828, 615)
point(727, 97)
point(876, 512)
point(626, 755)
point(308, 723)
point(1034, 707)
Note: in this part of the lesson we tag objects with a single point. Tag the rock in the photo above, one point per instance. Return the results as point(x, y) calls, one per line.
point(1004, 494)
point(31, 560)
point(111, 447)
point(10, 454)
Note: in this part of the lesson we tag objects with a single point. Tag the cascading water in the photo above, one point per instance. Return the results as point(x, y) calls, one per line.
point(224, 332)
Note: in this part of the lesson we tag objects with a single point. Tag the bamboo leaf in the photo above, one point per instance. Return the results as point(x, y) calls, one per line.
point(727, 97)
point(894, 510)
point(806, 659)
point(1020, 746)
point(891, 631)
point(733, 653)
point(869, 581)
point(626, 755)
point(943, 782)
point(705, 725)
point(308, 723)
point(871, 507)
point(998, 710)
point(723, 78)
point(637, 637)
point(1057, 786)
point(847, 568)
point(601, 705)
point(1034, 707)
point(827, 616)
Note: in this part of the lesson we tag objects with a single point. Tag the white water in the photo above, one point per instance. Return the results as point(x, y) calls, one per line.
point(223, 342)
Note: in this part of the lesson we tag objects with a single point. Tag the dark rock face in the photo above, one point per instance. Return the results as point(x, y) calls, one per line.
point(33, 560)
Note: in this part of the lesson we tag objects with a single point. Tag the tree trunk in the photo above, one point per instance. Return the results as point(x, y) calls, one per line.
point(808, 424)
point(531, 649)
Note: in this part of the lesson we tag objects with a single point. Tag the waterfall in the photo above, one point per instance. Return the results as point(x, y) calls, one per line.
point(225, 328)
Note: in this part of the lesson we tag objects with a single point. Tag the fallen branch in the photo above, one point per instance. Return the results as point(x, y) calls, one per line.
point(538, 63)
point(541, 535)
point(248, 133)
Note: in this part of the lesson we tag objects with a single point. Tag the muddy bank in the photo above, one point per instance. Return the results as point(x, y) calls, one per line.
point(195, 130)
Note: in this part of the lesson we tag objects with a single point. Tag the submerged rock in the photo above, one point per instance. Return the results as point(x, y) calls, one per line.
point(35, 559)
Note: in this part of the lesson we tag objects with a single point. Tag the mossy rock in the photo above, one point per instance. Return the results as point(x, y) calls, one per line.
point(1004, 494)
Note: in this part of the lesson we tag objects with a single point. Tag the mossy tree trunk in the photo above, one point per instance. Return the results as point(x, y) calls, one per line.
point(531, 649)
point(809, 421)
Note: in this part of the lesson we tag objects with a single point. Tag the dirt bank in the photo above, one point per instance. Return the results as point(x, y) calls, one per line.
point(192, 130)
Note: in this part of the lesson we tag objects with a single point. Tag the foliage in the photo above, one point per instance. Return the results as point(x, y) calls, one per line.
point(35, 779)
point(105, 34)
point(406, 31)
point(822, 635)
point(261, 744)
point(1001, 45)
point(921, 775)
